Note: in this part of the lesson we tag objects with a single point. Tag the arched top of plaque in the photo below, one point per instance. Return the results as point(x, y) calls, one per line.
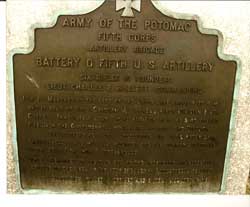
point(156, 21)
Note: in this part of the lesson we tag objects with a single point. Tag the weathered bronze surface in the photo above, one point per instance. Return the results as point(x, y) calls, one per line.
point(248, 185)
point(108, 101)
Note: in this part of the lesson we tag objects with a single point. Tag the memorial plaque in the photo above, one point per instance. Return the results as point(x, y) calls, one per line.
point(123, 99)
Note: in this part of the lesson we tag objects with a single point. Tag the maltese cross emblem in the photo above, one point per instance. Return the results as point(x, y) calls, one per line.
point(128, 5)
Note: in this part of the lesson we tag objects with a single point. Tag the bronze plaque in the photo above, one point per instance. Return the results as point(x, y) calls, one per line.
point(123, 99)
